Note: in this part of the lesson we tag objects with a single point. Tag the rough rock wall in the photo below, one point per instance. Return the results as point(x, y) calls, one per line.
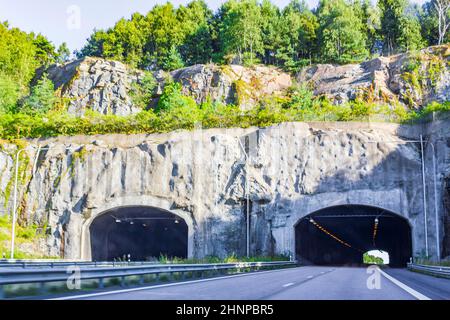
point(415, 79)
point(104, 86)
point(96, 84)
point(294, 169)
point(232, 84)
point(438, 143)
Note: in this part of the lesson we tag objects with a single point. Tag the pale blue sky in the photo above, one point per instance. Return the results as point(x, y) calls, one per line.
point(58, 19)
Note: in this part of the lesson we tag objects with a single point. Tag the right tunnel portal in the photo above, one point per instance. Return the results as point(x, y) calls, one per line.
point(340, 235)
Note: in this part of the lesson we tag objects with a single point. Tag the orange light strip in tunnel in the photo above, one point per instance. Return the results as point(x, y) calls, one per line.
point(375, 231)
point(318, 226)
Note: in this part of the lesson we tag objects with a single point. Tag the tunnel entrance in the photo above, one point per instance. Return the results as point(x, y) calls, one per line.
point(340, 235)
point(143, 233)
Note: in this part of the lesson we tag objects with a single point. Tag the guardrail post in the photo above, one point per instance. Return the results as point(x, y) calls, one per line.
point(157, 277)
point(101, 284)
point(42, 288)
point(122, 281)
point(2, 292)
point(141, 279)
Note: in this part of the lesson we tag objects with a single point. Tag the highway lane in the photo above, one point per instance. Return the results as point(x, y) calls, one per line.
point(432, 287)
point(303, 283)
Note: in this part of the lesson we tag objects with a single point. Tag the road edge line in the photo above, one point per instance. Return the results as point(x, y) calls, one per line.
point(411, 291)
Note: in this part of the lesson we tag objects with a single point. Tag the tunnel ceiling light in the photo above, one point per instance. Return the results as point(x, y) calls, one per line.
point(375, 232)
point(118, 221)
point(332, 235)
point(131, 222)
point(176, 221)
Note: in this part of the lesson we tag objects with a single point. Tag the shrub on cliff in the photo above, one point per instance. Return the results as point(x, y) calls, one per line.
point(42, 98)
point(142, 92)
point(9, 94)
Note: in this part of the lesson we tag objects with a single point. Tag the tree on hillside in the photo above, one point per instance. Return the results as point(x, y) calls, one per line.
point(42, 97)
point(94, 45)
point(391, 15)
point(340, 33)
point(63, 53)
point(45, 50)
point(240, 30)
point(270, 30)
point(400, 28)
point(428, 19)
point(299, 34)
point(196, 46)
point(172, 60)
point(411, 37)
point(164, 32)
point(9, 94)
point(443, 10)
point(370, 22)
point(21, 54)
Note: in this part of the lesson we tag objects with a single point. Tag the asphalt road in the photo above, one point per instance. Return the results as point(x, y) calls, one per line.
point(303, 283)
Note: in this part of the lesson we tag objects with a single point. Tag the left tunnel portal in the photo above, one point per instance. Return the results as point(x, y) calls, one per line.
point(138, 233)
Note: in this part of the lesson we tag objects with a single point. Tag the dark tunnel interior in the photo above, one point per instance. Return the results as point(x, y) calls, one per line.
point(340, 235)
point(144, 233)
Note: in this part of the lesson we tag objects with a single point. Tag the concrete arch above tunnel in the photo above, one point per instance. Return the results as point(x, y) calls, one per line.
point(150, 207)
point(339, 235)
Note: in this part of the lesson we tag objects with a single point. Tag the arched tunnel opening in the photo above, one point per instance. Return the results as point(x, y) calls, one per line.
point(138, 234)
point(340, 235)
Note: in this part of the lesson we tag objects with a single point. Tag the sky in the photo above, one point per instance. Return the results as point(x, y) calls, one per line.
point(72, 21)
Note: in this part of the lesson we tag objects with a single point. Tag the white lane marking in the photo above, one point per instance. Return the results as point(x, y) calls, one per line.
point(310, 277)
point(166, 285)
point(288, 284)
point(410, 290)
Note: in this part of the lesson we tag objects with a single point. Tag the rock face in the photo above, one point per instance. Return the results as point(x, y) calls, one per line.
point(232, 84)
point(104, 86)
point(293, 170)
point(414, 79)
point(96, 84)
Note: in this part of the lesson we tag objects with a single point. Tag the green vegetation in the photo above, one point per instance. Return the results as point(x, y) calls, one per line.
point(251, 31)
point(25, 235)
point(369, 259)
point(241, 31)
point(428, 262)
point(176, 111)
point(142, 92)
point(230, 259)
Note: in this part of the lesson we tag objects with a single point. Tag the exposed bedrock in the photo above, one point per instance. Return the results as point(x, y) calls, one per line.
point(294, 169)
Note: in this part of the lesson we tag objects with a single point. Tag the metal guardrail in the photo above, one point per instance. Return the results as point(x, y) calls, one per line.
point(58, 263)
point(437, 271)
point(61, 273)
